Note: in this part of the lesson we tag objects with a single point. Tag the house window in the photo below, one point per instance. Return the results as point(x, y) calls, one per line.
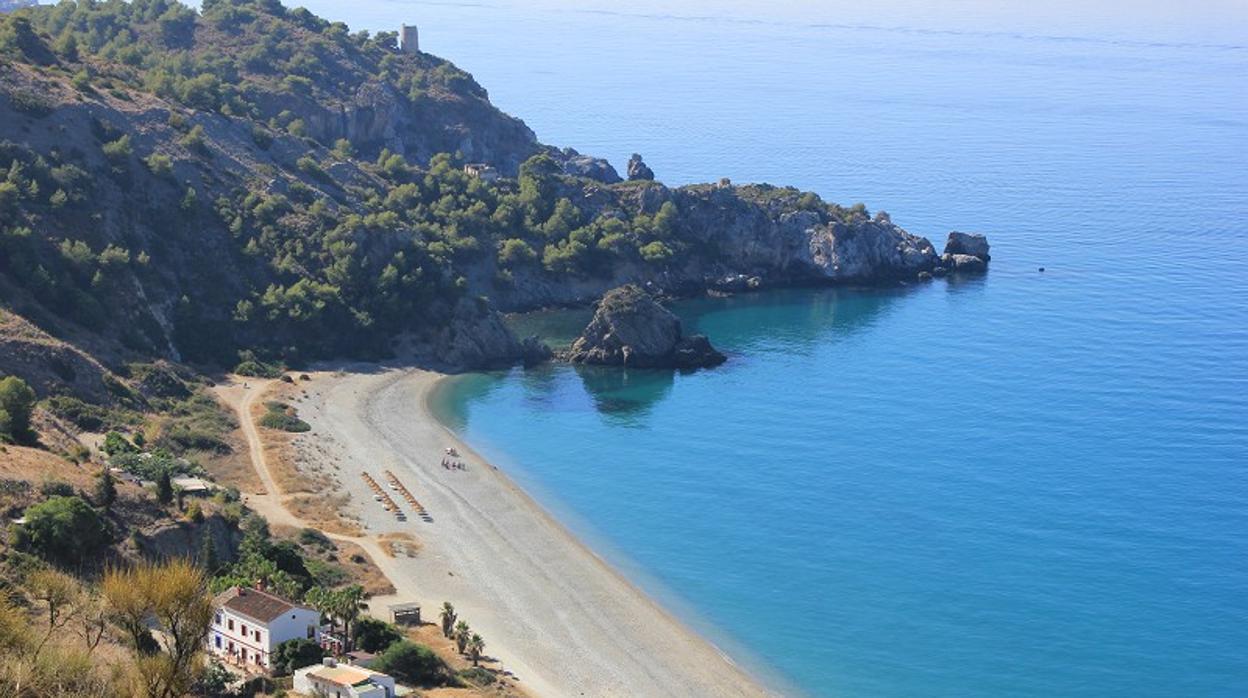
point(230, 624)
point(257, 636)
point(311, 631)
point(243, 626)
point(217, 621)
point(218, 639)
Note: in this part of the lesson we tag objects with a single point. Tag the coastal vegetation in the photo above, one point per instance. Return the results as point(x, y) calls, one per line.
point(325, 239)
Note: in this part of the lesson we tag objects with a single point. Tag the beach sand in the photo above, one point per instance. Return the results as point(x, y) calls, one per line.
point(551, 612)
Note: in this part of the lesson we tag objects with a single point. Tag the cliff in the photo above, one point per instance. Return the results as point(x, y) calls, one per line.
point(185, 186)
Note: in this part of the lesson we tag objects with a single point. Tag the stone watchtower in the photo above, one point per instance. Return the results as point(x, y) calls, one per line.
point(411, 39)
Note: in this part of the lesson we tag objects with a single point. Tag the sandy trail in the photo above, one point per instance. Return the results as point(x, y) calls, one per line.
point(553, 613)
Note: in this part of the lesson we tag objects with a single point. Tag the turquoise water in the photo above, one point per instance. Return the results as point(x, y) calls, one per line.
point(1022, 484)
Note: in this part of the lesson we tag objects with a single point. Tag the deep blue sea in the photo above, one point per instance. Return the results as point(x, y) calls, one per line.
point(1030, 484)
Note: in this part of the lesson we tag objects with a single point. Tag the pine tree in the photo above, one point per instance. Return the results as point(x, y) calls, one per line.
point(164, 488)
point(208, 554)
point(105, 490)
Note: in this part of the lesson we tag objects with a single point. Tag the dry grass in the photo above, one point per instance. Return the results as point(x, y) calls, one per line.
point(233, 469)
point(324, 511)
point(306, 484)
point(362, 570)
point(37, 466)
point(396, 544)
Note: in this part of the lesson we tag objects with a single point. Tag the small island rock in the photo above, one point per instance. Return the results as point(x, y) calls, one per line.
point(972, 244)
point(631, 329)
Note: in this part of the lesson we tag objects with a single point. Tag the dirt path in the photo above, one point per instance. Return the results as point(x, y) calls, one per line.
point(241, 397)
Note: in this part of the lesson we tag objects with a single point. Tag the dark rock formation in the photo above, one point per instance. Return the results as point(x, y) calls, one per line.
point(638, 169)
point(578, 165)
point(973, 244)
point(534, 351)
point(966, 253)
point(631, 329)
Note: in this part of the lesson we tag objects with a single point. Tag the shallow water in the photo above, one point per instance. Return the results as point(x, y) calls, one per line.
point(1021, 484)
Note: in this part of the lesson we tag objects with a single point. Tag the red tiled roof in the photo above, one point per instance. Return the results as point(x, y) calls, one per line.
point(255, 604)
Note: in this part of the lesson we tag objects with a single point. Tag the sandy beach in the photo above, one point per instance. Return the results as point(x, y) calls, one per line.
point(554, 614)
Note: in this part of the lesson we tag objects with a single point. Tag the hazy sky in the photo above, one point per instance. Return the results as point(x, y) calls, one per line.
point(1199, 21)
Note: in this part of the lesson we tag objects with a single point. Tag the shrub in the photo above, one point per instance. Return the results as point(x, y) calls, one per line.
point(413, 663)
point(119, 150)
point(115, 444)
point(656, 252)
point(17, 402)
point(280, 416)
point(257, 369)
point(372, 635)
point(515, 251)
point(477, 675)
point(56, 488)
point(160, 165)
point(63, 529)
point(296, 654)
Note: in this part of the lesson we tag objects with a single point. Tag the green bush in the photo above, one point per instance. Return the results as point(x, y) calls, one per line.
point(17, 402)
point(412, 663)
point(372, 635)
point(283, 417)
point(160, 165)
point(119, 151)
point(257, 369)
point(479, 676)
point(115, 444)
point(296, 654)
point(63, 529)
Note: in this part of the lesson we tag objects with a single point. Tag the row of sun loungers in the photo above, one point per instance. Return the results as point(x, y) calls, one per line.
point(416, 506)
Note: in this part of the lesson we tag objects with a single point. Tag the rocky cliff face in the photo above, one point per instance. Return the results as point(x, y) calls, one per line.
point(631, 329)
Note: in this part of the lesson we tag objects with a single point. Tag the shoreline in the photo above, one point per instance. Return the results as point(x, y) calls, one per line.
point(560, 617)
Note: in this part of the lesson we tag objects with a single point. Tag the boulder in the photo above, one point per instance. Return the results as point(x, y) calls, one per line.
point(630, 328)
point(638, 169)
point(964, 262)
point(534, 351)
point(973, 244)
point(578, 165)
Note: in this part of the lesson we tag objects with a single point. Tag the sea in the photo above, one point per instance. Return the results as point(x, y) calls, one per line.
point(1028, 483)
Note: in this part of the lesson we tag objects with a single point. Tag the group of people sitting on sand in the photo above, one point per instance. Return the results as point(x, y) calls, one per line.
point(450, 464)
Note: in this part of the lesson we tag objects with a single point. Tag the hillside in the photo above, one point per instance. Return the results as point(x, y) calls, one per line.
point(188, 186)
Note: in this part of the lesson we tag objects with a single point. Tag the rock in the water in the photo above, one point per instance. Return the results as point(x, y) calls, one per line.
point(630, 328)
point(534, 351)
point(638, 169)
point(964, 262)
point(972, 244)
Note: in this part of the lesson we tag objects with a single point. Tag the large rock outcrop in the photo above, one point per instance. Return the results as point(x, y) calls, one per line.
point(575, 164)
point(966, 252)
point(637, 169)
point(631, 329)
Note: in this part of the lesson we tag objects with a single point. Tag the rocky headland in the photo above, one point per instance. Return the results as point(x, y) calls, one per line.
point(336, 221)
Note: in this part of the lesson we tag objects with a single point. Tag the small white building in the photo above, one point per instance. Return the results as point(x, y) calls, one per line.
point(249, 624)
point(482, 171)
point(340, 681)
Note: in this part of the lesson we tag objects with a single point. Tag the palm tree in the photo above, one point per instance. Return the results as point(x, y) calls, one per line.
point(461, 635)
point(475, 647)
point(448, 618)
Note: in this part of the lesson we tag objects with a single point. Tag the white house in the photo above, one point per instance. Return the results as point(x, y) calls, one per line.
point(341, 681)
point(249, 624)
